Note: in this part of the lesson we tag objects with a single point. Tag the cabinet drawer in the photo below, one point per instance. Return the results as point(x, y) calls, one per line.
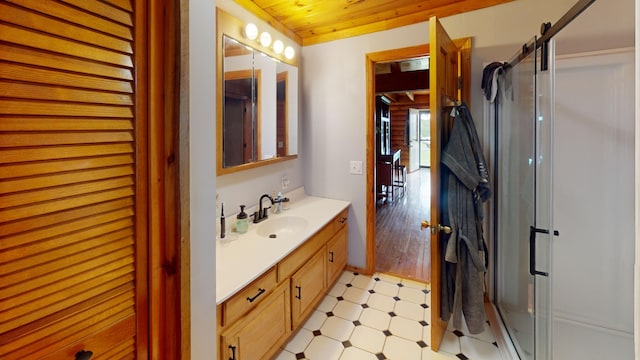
point(297, 258)
point(340, 220)
point(249, 297)
point(260, 334)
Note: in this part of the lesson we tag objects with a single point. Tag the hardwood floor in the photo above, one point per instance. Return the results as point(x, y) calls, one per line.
point(401, 247)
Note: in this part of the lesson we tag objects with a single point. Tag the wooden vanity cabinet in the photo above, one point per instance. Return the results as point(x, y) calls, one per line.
point(249, 297)
point(283, 297)
point(337, 249)
point(259, 334)
point(307, 288)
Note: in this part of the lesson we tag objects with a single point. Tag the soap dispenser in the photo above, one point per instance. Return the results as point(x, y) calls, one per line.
point(242, 221)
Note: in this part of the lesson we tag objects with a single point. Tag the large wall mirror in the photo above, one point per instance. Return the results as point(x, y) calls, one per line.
point(257, 120)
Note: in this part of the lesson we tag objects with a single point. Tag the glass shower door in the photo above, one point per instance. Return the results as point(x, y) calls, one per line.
point(523, 206)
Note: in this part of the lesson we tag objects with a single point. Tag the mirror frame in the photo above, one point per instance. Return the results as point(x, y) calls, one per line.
point(228, 25)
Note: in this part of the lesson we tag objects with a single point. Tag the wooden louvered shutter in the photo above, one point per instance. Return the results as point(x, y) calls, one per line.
point(72, 180)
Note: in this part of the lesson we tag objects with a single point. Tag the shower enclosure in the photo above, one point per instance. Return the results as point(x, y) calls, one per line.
point(564, 206)
point(524, 216)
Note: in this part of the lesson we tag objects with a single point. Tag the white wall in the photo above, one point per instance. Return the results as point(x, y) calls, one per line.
point(202, 147)
point(333, 104)
point(593, 175)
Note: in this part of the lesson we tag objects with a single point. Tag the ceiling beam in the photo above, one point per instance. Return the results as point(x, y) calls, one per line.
point(402, 82)
point(410, 95)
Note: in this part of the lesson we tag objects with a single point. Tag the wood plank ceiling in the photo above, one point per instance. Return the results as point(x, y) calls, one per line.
point(310, 22)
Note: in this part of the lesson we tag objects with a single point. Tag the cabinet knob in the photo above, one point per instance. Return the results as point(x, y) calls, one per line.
point(83, 355)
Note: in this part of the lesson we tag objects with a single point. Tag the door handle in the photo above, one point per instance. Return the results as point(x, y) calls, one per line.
point(425, 224)
point(83, 355)
point(532, 249)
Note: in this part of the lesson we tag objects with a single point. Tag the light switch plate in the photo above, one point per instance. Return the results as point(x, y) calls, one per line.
point(356, 167)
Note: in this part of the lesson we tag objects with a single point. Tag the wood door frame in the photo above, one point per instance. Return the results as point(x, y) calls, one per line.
point(464, 68)
point(393, 55)
point(371, 60)
point(167, 207)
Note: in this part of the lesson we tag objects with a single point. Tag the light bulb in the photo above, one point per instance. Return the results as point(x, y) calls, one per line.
point(265, 39)
point(251, 31)
point(289, 52)
point(278, 46)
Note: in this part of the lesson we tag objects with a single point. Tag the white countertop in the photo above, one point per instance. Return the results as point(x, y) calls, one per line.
point(249, 255)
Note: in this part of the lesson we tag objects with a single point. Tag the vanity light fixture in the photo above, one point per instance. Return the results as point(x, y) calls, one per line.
point(278, 47)
point(265, 39)
point(251, 31)
point(289, 53)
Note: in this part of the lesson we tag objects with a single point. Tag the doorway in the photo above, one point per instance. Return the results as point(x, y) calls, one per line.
point(395, 224)
point(449, 79)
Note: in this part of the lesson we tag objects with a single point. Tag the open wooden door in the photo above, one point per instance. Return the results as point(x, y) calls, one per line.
point(448, 61)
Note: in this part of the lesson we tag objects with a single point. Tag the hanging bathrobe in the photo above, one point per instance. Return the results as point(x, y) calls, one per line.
point(465, 189)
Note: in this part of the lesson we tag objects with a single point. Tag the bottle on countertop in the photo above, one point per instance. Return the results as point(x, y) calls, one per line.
point(242, 221)
point(222, 222)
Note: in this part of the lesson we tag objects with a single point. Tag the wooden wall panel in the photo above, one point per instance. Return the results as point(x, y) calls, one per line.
point(69, 191)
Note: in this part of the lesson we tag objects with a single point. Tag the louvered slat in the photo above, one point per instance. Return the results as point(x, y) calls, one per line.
point(76, 222)
point(50, 77)
point(121, 352)
point(68, 169)
point(78, 17)
point(62, 152)
point(59, 28)
point(53, 281)
point(13, 107)
point(63, 204)
point(52, 93)
point(18, 170)
point(45, 306)
point(55, 193)
point(122, 4)
point(37, 254)
point(65, 328)
point(103, 9)
point(62, 62)
point(64, 179)
point(12, 34)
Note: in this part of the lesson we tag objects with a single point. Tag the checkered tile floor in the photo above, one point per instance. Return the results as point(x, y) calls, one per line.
point(381, 317)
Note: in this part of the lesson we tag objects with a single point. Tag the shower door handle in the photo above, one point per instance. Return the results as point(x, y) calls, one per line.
point(532, 249)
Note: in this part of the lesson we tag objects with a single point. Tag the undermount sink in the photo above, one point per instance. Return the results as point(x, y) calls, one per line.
point(281, 226)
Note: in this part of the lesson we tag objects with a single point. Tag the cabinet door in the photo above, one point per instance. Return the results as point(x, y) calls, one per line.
point(261, 333)
point(307, 287)
point(337, 251)
point(74, 172)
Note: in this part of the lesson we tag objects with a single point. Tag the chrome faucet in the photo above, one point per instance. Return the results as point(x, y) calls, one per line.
point(262, 214)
